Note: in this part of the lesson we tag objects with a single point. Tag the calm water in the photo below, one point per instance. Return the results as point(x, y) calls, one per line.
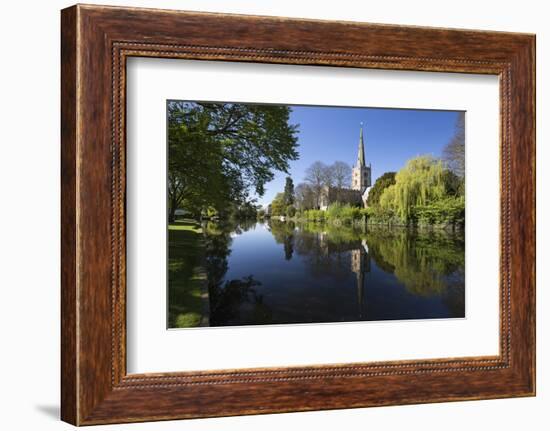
point(277, 272)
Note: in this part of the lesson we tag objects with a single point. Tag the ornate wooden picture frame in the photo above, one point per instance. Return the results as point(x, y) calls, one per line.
point(96, 41)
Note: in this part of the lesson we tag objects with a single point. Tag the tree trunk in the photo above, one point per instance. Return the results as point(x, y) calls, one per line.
point(172, 214)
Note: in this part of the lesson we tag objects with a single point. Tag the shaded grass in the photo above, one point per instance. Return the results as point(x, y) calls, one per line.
point(186, 274)
point(185, 224)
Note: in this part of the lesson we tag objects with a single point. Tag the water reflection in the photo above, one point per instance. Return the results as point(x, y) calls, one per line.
point(282, 272)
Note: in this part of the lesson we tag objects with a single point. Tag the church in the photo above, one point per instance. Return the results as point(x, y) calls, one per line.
point(360, 183)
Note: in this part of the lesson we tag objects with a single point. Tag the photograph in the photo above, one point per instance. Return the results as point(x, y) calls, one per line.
point(296, 214)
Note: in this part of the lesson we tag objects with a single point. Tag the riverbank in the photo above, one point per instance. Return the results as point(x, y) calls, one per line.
point(447, 214)
point(187, 279)
point(365, 221)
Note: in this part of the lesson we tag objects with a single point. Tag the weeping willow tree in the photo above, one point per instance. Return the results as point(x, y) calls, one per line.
point(420, 182)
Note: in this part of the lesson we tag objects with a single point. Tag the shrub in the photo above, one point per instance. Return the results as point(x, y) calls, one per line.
point(381, 215)
point(314, 215)
point(343, 212)
point(367, 212)
point(445, 211)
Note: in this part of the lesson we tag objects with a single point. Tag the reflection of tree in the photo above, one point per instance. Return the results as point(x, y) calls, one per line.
point(233, 301)
point(228, 303)
point(329, 251)
point(326, 248)
point(424, 262)
point(289, 247)
point(427, 263)
point(454, 296)
point(217, 248)
point(241, 226)
point(284, 234)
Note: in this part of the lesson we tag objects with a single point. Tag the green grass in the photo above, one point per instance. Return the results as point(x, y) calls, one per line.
point(186, 274)
point(186, 225)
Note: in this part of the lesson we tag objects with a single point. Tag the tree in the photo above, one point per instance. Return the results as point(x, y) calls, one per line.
point(290, 211)
point(380, 185)
point(304, 196)
point(289, 192)
point(319, 175)
point(278, 207)
point(341, 174)
point(420, 182)
point(244, 211)
point(328, 176)
point(454, 185)
point(454, 153)
point(338, 175)
point(195, 176)
point(316, 178)
point(219, 152)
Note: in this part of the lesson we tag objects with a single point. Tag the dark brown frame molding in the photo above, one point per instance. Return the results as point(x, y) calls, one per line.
point(95, 43)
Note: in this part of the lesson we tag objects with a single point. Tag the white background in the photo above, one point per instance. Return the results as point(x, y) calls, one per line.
point(151, 348)
point(29, 224)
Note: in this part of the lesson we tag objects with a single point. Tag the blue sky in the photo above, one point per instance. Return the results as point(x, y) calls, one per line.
point(391, 136)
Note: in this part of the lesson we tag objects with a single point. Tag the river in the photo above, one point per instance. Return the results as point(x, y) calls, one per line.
point(284, 272)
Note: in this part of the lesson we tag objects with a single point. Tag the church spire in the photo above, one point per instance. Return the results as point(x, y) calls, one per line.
point(361, 152)
point(361, 173)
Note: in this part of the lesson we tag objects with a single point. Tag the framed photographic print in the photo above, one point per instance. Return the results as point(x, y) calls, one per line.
point(267, 215)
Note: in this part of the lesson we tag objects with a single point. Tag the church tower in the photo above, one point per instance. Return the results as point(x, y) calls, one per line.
point(361, 173)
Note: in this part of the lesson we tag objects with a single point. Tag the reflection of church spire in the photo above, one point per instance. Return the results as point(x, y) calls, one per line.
point(360, 264)
point(360, 292)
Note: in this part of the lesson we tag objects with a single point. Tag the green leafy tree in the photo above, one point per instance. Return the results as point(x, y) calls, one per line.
point(244, 211)
point(289, 192)
point(381, 184)
point(195, 176)
point(278, 207)
point(290, 211)
point(420, 182)
point(219, 152)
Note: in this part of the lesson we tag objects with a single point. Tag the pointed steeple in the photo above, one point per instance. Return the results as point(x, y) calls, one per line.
point(361, 152)
point(360, 174)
